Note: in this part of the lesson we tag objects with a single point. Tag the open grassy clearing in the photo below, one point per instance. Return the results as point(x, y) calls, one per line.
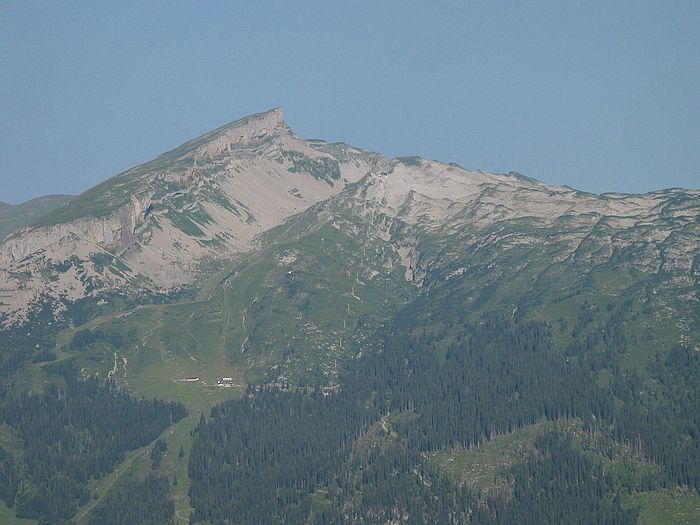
point(480, 466)
point(164, 345)
point(663, 507)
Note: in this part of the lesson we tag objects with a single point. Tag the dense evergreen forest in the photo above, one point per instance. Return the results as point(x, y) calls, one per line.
point(560, 485)
point(295, 457)
point(134, 502)
point(75, 430)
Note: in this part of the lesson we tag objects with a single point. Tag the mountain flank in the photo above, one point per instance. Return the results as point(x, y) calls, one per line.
point(337, 336)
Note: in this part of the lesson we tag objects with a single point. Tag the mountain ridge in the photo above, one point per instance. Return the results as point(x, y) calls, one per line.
point(211, 197)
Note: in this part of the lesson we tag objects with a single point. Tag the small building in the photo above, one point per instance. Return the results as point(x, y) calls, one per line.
point(225, 382)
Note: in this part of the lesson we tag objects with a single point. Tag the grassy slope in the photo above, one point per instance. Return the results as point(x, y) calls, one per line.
point(165, 343)
point(169, 337)
point(204, 337)
point(162, 351)
point(480, 466)
point(666, 506)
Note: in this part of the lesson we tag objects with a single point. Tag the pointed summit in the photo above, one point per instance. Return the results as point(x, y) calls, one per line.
point(270, 119)
point(248, 131)
point(273, 116)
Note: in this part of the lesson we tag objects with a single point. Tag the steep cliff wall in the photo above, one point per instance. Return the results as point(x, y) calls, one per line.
point(115, 231)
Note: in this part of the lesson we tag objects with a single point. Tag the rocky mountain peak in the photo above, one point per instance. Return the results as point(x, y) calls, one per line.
point(256, 125)
point(249, 131)
point(208, 198)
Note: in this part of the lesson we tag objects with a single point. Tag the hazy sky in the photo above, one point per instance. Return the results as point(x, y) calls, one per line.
point(602, 96)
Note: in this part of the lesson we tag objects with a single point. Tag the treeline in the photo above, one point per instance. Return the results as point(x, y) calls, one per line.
point(133, 502)
point(70, 434)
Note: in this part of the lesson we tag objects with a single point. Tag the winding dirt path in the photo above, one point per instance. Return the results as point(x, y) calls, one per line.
point(119, 471)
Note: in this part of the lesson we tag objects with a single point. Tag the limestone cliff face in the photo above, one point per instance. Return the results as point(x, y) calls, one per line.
point(249, 132)
point(429, 203)
point(130, 217)
point(116, 231)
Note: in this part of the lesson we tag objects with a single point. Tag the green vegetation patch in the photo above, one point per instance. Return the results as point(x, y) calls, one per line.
point(322, 168)
point(184, 221)
point(661, 507)
point(410, 161)
point(482, 465)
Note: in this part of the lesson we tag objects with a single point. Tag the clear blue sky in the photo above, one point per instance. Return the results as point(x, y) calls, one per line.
point(599, 95)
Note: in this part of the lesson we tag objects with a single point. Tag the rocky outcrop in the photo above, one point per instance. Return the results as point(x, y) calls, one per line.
point(432, 200)
point(250, 131)
point(130, 216)
point(116, 231)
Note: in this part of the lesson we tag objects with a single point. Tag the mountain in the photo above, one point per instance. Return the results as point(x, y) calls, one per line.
point(449, 317)
point(349, 236)
point(15, 217)
point(155, 224)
